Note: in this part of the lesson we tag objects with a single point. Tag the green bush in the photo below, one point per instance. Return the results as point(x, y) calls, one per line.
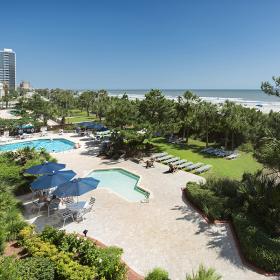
point(66, 267)
point(157, 274)
point(253, 205)
point(36, 268)
point(9, 269)
point(257, 246)
point(246, 147)
point(107, 261)
point(204, 274)
point(206, 200)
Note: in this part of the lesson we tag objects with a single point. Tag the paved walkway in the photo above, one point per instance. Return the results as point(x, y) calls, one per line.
point(165, 232)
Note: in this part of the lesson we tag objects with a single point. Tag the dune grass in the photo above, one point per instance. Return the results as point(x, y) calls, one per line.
point(220, 167)
point(77, 116)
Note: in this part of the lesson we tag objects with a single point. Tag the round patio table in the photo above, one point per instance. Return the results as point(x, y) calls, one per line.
point(77, 206)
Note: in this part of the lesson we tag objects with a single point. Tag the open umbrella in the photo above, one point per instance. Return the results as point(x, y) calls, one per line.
point(52, 180)
point(45, 168)
point(76, 187)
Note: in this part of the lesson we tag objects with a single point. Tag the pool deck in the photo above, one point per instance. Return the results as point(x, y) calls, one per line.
point(166, 232)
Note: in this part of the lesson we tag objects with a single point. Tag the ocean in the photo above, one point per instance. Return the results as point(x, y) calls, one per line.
point(238, 95)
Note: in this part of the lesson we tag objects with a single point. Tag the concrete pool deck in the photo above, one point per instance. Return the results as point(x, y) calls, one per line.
point(166, 232)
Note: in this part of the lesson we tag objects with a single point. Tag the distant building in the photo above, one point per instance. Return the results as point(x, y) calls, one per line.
point(8, 68)
point(2, 93)
point(25, 85)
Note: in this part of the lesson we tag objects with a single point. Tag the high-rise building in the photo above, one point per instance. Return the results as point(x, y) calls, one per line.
point(8, 68)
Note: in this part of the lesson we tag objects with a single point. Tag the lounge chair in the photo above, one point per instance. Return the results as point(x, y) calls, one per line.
point(184, 165)
point(158, 155)
point(203, 169)
point(179, 162)
point(194, 166)
point(206, 150)
point(232, 156)
point(164, 158)
point(171, 160)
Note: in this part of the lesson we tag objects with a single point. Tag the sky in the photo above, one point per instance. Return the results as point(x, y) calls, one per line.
point(141, 44)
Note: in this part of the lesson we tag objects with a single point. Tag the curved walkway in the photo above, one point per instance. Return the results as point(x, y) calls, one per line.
point(165, 232)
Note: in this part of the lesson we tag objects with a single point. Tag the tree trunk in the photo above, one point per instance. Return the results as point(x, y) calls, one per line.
point(187, 135)
point(232, 141)
point(226, 139)
point(207, 132)
point(88, 111)
point(184, 132)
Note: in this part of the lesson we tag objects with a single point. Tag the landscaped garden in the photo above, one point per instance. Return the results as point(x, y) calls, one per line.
point(252, 205)
point(221, 167)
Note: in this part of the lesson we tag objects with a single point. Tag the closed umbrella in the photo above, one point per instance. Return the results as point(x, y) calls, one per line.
point(52, 180)
point(76, 187)
point(45, 168)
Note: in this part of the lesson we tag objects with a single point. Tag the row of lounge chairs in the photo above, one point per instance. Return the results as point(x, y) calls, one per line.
point(178, 163)
point(220, 153)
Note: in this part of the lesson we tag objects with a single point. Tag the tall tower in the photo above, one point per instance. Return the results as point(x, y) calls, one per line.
point(8, 68)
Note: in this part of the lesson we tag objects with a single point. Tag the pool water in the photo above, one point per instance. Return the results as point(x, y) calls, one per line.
point(50, 145)
point(120, 182)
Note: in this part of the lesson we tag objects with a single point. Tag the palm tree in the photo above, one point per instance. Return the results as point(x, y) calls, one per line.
point(204, 274)
point(186, 110)
point(207, 115)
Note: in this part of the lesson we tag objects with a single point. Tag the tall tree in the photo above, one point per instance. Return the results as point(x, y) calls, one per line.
point(207, 116)
point(186, 110)
point(157, 112)
point(86, 100)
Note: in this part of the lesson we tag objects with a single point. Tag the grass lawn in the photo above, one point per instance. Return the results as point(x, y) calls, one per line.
point(79, 116)
point(220, 167)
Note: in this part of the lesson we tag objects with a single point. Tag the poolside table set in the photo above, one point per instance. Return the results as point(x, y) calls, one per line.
point(56, 189)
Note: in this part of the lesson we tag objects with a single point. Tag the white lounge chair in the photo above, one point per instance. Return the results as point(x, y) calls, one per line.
point(232, 156)
point(194, 166)
point(173, 159)
point(158, 155)
point(164, 158)
point(203, 169)
point(184, 165)
point(181, 161)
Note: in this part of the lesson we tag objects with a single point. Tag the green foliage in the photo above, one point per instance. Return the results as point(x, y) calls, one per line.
point(254, 207)
point(107, 261)
point(256, 244)
point(246, 147)
point(157, 274)
point(270, 89)
point(66, 267)
point(204, 274)
point(9, 269)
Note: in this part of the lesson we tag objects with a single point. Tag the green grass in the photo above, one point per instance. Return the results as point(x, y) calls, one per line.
point(220, 167)
point(79, 116)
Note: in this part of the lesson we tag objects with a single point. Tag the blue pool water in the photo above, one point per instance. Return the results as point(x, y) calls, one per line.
point(119, 181)
point(50, 145)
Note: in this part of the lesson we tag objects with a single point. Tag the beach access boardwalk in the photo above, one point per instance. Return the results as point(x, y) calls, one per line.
point(166, 232)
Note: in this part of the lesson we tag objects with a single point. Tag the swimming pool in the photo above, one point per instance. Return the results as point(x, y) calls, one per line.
point(120, 182)
point(50, 145)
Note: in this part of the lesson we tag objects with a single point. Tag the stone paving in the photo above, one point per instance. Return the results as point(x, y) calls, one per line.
point(165, 232)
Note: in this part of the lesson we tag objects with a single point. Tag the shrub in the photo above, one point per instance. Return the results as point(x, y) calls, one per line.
point(157, 274)
point(257, 246)
point(204, 274)
point(107, 261)
point(36, 268)
point(246, 147)
point(65, 267)
point(9, 269)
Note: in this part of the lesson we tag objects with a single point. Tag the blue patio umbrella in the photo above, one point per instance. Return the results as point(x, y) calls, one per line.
point(76, 187)
point(93, 125)
point(45, 168)
point(52, 180)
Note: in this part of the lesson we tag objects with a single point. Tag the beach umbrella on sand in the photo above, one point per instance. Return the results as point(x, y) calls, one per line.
point(45, 168)
point(52, 180)
point(76, 187)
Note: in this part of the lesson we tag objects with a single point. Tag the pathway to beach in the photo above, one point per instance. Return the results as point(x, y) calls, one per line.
point(166, 232)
